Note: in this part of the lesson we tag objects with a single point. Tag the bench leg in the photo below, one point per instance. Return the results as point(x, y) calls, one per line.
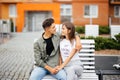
point(100, 77)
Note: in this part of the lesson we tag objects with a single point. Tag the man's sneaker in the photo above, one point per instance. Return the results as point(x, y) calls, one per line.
point(117, 66)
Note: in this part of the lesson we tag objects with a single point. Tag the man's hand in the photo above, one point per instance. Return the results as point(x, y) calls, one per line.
point(78, 45)
point(51, 70)
point(54, 70)
point(58, 68)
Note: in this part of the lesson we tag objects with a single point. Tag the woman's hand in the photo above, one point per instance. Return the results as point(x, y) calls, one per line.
point(58, 68)
point(53, 71)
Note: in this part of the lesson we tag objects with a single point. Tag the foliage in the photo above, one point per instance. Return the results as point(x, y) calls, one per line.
point(105, 43)
point(11, 25)
point(118, 38)
point(104, 30)
point(80, 29)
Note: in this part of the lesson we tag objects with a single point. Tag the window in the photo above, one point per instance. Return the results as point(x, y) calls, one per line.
point(66, 12)
point(117, 11)
point(91, 11)
point(12, 10)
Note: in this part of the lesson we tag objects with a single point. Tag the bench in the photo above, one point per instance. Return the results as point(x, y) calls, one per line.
point(87, 58)
point(104, 66)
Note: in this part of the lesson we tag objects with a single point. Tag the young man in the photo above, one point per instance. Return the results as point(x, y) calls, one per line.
point(47, 54)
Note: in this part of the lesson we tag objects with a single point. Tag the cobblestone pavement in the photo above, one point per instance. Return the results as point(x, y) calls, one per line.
point(16, 57)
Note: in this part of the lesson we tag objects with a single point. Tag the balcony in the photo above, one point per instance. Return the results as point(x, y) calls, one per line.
point(114, 20)
point(114, 1)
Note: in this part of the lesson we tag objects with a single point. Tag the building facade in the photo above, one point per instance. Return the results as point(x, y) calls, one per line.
point(29, 14)
point(114, 12)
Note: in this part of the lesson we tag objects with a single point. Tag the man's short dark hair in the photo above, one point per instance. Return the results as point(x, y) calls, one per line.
point(47, 22)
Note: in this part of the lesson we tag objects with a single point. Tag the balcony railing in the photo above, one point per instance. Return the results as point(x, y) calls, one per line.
point(114, 21)
point(115, 1)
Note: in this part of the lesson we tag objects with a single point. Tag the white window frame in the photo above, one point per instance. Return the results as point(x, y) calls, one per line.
point(12, 10)
point(64, 12)
point(118, 16)
point(64, 7)
point(92, 13)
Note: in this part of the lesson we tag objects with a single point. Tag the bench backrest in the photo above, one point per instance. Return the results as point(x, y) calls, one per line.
point(87, 55)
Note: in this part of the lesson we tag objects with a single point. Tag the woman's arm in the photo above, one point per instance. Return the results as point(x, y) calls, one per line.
point(68, 58)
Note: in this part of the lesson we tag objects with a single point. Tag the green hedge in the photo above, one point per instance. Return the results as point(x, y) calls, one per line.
point(118, 38)
point(106, 43)
point(80, 29)
point(102, 29)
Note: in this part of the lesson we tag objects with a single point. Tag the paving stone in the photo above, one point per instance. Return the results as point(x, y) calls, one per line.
point(8, 79)
point(3, 79)
point(17, 57)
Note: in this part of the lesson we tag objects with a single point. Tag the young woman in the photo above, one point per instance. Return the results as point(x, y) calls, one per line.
point(71, 61)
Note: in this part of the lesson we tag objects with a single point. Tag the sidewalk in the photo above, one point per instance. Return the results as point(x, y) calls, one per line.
point(16, 57)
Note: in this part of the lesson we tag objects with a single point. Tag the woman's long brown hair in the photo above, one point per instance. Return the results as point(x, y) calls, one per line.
point(70, 26)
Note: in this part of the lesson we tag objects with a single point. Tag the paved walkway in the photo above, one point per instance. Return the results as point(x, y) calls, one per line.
point(16, 57)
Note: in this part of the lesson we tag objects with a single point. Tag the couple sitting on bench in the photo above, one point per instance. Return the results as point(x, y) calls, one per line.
point(62, 65)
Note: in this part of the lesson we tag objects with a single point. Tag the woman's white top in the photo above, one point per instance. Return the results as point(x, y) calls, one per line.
point(65, 49)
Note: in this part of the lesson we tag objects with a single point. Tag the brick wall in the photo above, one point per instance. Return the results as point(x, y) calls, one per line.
point(78, 12)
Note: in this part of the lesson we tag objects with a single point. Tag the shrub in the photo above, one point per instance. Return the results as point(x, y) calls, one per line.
point(11, 25)
point(118, 38)
point(104, 30)
point(80, 29)
point(104, 43)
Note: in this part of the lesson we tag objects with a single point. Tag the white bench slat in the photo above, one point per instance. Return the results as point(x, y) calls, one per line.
point(85, 63)
point(89, 71)
point(88, 79)
point(89, 76)
point(88, 46)
point(86, 59)
point(87, 41)
point(86, 54)
point(87, 50)
point(89, 67)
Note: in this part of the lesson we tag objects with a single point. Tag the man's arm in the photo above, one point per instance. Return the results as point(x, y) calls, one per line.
point(39, 60)
point(78, 45)
point(38, 55)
